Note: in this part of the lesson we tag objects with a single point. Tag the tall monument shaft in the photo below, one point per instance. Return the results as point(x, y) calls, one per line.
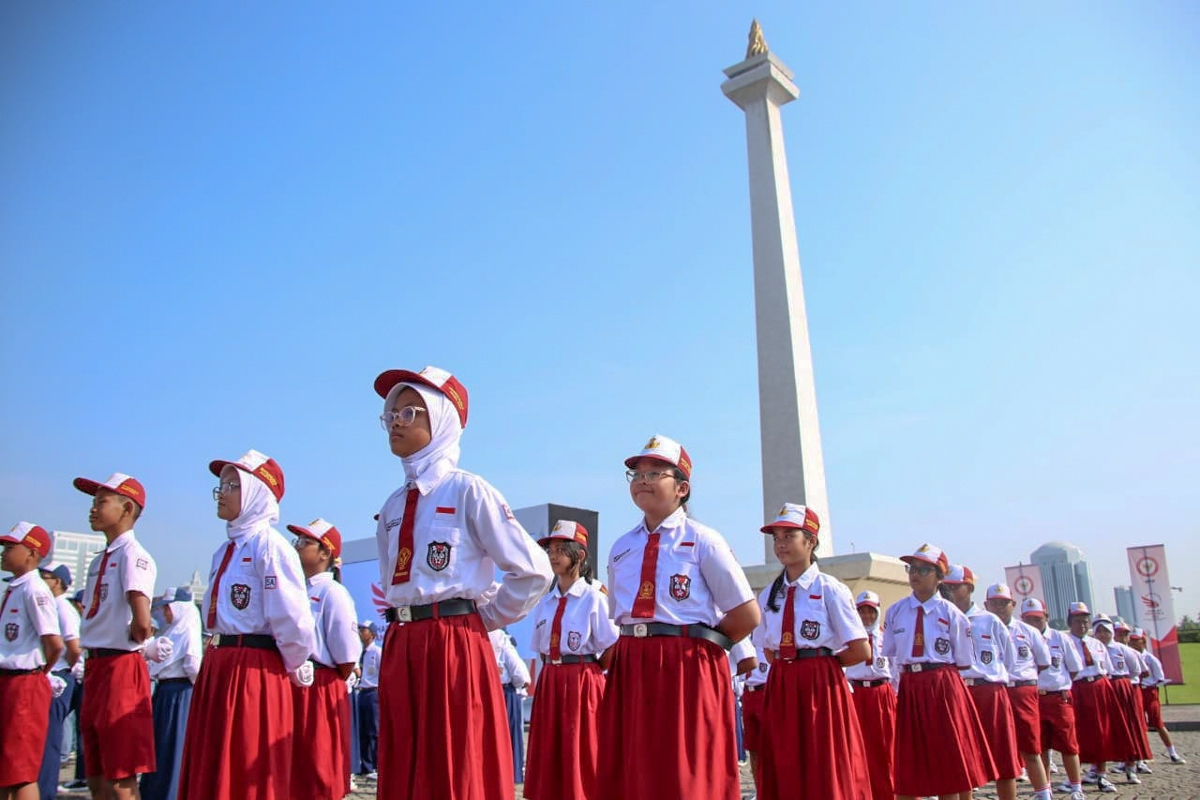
point(792, 464)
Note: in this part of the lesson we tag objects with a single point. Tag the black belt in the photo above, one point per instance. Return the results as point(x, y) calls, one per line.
point(259, 641)
point(1118, 677)
point(106, 652)
point(61, 672)
point(805, 652)
point(569, 659)
point(1060, 692)
point(925, 666)
point(1090, 679)
point(163, 681)
point(365, 689)
point(981, 682)
point(1022, 684)
point(455, 607)
point(7, 671)
point(319, 665)
point(756, 688)
point(696, 630)
point(868, 684)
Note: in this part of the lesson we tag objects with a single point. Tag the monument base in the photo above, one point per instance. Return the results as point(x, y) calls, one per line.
point(881, 574)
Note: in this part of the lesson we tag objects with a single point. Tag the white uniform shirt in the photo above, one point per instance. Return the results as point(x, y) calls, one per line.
point(336, 623)
point(740, 651)
point(130, 569)
point(1029, 651)
point(1064, 660)
point(263, 591)
point(823, 611)
point(463, 531)
point(1100, 663)
point(372, 655)
point(875, 668)
point(187, 649)
point(1124, 660)
point(947, 632)
point(696, 578)
point(585, 626)
point(68, 624)
point(511, 666)
point(991, 647)
point(29, 614)
point(759, 676)
point(1136, 664)
point(1157, 676)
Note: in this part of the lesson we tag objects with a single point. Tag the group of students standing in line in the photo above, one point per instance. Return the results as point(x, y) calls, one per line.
point(634, 698)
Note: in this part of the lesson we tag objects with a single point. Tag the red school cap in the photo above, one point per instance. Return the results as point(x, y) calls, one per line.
point(432, 377)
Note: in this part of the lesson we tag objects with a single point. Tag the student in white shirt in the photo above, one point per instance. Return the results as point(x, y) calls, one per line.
point(514, 680)
point(573, 636)
point(321, 761)
point(1125, 715)
point(1151, 680)
point(680, 600)
point(179, 623)
point(117, 720)
point(1094, 699)
point(441, 537)
point(59, 580)
point(875, 698)
point(30, 644)
point(810, 631)
point(754, 692)
point(940, 744)
point(240, 728)
point(1137, 672)
point(368, 697)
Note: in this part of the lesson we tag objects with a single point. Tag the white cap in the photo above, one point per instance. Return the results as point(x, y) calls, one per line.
point(1031, 605)
point(999, 591)
point(867, 598)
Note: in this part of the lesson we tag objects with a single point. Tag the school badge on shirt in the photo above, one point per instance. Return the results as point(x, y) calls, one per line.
point(681, 587)
point(810, 629)
point(11, 630)
point(438, 555)
point(574, 640)
point(239, 595)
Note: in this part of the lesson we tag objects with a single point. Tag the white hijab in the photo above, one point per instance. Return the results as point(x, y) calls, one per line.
point(260, 509)
point(444, 425)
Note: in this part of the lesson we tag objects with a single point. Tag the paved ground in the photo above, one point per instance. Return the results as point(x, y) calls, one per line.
point(1168, 782)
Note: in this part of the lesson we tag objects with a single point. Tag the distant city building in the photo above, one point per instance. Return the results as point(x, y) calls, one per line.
point(1125, 607)
point(76, 551)
point(197, 585)
point(1066, 577)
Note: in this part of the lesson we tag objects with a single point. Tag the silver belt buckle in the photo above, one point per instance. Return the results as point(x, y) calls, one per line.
point(916, 667)
point(641, 630)
point(556, 661)
point(404, 613)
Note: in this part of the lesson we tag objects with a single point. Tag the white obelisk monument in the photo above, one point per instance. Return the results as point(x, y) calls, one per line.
point(793, 469)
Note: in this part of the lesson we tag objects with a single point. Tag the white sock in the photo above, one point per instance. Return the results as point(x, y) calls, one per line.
point(1077, 787)
point(1172, 751)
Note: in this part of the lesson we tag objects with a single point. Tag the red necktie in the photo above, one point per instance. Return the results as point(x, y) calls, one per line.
point(918, 650)
point(216, 587)
point(1088, 661)
point(643, 604)
point(787, 637)
point(404, 553)
point(4, 605)
point(556, 631)
point(99, 579)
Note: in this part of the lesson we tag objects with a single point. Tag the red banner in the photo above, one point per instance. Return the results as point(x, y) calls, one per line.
point(1025, 580)
point(1153, 605)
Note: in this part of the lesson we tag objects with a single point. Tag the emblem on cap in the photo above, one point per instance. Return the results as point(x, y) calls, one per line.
point(652, 444)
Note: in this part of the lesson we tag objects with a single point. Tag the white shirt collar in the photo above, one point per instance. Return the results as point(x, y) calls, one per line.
point(805, 579)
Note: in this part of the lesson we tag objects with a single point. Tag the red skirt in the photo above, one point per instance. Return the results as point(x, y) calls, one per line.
point(752, 717)
point(239, 731)
point(564, 741)
point(443, 726)
point(1138, 723)
point(1152, 708)
point(26, 703)
point(940, 746)
point(876, 707)
point(1128, 729)
point(995, 714)
point(1057, 713)
point(321, 763)
point(116, 719)
point(1027, 718)
point(1095, 703)
point(808, 715)
point(667, 722)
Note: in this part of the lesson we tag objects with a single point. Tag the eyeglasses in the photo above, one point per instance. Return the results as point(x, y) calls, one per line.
point(920, 569)
point(224, 488)
point(405, 416)
point(653, 476)
point(301, 542)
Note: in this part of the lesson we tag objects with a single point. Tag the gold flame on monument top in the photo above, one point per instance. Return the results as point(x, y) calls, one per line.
point(757, 45)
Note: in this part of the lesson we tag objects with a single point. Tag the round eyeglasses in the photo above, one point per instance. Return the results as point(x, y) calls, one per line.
point(653, 476)
point(919, 569)
point(405, 416)
point(224, 488)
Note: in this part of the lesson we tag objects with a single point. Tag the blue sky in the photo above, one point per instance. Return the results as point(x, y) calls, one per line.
point(218, 223)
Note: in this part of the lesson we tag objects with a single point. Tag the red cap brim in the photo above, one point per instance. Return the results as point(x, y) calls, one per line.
point(87, 486)
point(784, 524)
point(632, 461)
point(870, 603)
point(296, 529)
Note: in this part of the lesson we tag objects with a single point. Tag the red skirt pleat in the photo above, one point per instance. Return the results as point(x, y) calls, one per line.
point(752, 719)
point(1127, 717)
point(443, 726)
point(995, 715)
point(811, 739)
point(1152, 707)
point(1095, 703)
point(876, 708)
point(564, 741)
point(239, 731)
point(1138, 725)
point(321, 764)
point(667, 722)
point(25, 700)
point(1027, 718)
point(940, 746)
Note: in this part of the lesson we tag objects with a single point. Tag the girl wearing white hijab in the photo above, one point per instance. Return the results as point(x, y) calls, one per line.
point(239, 733)
point(442, 536)
point(179, 622)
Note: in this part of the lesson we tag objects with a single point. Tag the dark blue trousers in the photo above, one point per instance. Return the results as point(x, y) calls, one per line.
point(516, 731)
point(172, 701)
point(368, 728)
point(52, 756)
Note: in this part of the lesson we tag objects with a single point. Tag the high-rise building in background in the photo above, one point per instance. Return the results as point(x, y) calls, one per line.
point(76, 550)
point(1125, 608)
point(1066, 577)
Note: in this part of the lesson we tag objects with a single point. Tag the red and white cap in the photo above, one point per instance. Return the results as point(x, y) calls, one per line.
point(1077, 608)
point(32, 536)
point(794, 515)
point(929, 554)
point(959, 574)
point(1102, 620)
point(117, 482)
point(1121, 625)
point(323, 532)
point(432, 377)
point(566, 529)
point(669, 451)
point(1033, 607)
point(260, 466)
point(1137, 633)
point(999, 591)
point(866, 598)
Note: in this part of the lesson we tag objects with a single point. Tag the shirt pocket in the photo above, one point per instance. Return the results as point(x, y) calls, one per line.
point(441, 555)
point(812, 619)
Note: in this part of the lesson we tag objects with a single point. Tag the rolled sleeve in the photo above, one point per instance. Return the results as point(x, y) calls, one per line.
point(286, 604)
